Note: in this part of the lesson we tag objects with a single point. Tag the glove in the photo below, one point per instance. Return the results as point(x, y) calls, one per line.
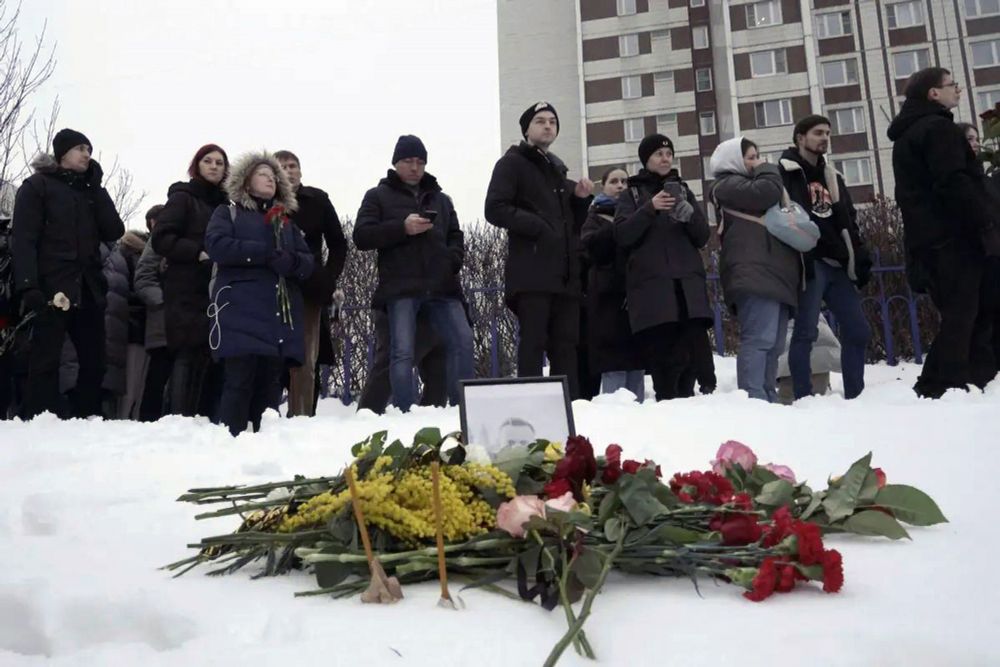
point(682, 211)
point(862, 267)
point(95, 174)
point(33, 301)
point(283, 262)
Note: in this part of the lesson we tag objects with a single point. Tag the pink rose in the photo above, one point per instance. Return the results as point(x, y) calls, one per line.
point(733, 453)
point(783, 472)
point(512, 515)
point(563, 503)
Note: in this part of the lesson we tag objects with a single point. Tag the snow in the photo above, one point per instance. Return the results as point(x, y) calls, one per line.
point(87, 514)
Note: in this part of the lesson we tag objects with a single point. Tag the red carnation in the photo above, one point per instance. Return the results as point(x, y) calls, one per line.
point(833, 571)
point(786, 577)
point(780, 528)
point(810, 542)
point(743, 501)
point(702, 487)
point(613, 464)
point(557, 488)
point(737, 529)
point(765, 581)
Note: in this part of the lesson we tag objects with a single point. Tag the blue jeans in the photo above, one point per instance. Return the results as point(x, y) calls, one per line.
point(447, 317)
point(831, 285)
point(634, 381)
point(763, 327)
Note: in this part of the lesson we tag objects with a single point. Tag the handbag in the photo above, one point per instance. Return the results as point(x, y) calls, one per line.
point(786, 221)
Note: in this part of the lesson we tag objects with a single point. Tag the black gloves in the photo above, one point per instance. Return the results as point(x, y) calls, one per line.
point(33, 301)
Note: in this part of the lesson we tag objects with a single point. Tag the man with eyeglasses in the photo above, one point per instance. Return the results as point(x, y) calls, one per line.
point(949, 228)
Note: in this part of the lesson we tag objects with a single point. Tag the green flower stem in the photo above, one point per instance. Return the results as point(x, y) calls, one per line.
point(580, 641)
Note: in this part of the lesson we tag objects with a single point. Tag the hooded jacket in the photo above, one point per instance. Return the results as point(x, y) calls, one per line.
point(940, 186)
point(247, 318)
point(60, 220)
point(149, 289)
point(751, 260)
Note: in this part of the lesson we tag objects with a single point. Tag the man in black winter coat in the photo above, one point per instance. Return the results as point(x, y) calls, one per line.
point(543, 212)
point(836, 268)
point(318, 221)
point(414, 227)
point(949, 227)
point(62, 214)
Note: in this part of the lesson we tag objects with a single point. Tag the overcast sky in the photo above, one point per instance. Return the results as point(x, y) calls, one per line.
point(335, 81)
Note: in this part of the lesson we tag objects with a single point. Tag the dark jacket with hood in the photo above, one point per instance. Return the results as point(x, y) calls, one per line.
point(179, 237)
point(318, 221)
point(663, 258)
point(831, 208)
point(116, 272)
point(940, 186)
point(609, 338)
point(751, 260)
point(247, 319)
point(422, 265)
point(60, 220)
point(530, 196)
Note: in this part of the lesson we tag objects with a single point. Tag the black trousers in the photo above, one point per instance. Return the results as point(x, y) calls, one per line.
point(195, 382)
point(85, 327)
point(701, 363)
point(667, 358)
point(251, 385)
point(548, 324)
point(161, 363)
point(428, 354)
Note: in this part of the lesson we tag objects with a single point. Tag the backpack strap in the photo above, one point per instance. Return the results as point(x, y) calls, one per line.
point(232, 212)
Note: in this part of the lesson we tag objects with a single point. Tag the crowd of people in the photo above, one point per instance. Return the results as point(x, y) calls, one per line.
point(224, 301)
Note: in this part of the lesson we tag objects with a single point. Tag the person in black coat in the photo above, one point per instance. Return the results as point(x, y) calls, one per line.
point(665, 281)
point(179, 237)
point(318, 221)
point(542, 211)
point(949, 228)
point(62, 214)
point(257, 307)
point(413, 226)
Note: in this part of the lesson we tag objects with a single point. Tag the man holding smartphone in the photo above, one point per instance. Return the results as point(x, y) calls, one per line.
point(542, 210)
point(413, 226)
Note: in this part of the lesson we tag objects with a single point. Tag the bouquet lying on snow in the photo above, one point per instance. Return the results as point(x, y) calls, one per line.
point(553, 522)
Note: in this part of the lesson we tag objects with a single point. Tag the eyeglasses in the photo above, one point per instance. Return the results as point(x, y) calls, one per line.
point(953, 84)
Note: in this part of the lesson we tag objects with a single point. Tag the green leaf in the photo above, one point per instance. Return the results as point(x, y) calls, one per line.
point(841, 501)
point(868, 489)
point(430, 437)
point(910, 504)
point(669, 534)
point(529, 559)
point(776, 493)
point(814, 504)
point(374, 442)
point(587, 567)
point(637, 497)
point(608, 505)
point(873, 522)
point(613, 528)
point(331, 573)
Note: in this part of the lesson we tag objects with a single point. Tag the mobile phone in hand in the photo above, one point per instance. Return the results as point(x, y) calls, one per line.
point(674, 189)
point(430, 215)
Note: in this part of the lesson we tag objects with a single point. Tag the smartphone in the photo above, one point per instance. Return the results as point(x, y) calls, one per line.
point(674, 189)
point(430, 215)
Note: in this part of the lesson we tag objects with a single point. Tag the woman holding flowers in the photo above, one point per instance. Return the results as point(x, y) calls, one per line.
point(257, 305)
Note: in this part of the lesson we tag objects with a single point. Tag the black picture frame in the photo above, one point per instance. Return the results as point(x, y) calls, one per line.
point(481, 426)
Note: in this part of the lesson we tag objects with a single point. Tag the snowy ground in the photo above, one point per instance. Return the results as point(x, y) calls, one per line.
point(87, 513)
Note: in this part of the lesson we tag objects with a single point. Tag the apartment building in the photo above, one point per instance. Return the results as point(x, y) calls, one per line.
point(702, 71)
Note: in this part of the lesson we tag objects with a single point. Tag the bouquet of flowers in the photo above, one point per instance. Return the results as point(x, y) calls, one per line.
point(277, 217)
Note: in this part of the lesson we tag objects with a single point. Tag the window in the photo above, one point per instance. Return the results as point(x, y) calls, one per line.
point(856, 171)
point(768, 63)
point(667, 124)
point(626, 7)
point(707, 122)
point(773, 113)
point(635, 128)
point(762, 14)
point(631, 87)
point(985, 54)
point(628, 45)
point(663, 77)
point(975, 8)
point(697, 3)
point(840, 73)
point(836, 24)
point(660, 34)
point(664, 82)
point(987, 99)
point(634, 168)
point(906, 63)
point(905, 14)
point(703, 79)
point(699, 35)
point(848, 121)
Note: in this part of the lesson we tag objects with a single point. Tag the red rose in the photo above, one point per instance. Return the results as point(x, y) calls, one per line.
point(765, 581)
point(578, 466)
point(879, 476)
point(613, 464)
point(631, 467)
point(833, 571)
point(737, 529)
point(557, 488)
point(810, 541)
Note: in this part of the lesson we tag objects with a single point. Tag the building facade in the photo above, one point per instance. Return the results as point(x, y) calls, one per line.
point(702, 71)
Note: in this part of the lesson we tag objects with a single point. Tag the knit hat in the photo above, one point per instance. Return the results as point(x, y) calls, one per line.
point(533, 111)
point(651, 144)
point(67, 139)
point(808, 123)
point(409, 146)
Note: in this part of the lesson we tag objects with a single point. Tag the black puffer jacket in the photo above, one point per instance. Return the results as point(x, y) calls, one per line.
point(425, 264)
point(662, 255)
point(940, 186)
point(318, 221)
point(530, 196)
point(60, 220)
point(179, 237)
point(116, 272)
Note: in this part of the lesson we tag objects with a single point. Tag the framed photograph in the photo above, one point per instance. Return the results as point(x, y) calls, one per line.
point(509, 412)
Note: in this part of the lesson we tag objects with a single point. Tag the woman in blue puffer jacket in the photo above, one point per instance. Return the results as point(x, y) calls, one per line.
point(257, 308)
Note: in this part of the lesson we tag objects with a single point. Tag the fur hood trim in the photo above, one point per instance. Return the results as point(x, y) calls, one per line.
point(45, 163)
point(135, 241)
point(239, 176)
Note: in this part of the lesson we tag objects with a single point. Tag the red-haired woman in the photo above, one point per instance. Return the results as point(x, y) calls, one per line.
point(179, 237)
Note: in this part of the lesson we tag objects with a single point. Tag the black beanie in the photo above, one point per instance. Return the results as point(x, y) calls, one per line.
point(806, 124)
point(651, 144)
point(409, 146)
point(532, 111)
point(67, 139)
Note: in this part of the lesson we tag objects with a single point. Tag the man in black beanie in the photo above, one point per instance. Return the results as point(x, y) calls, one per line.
point(836, 268)
point(62, 214)
point(413, 226)
point(542, 211)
